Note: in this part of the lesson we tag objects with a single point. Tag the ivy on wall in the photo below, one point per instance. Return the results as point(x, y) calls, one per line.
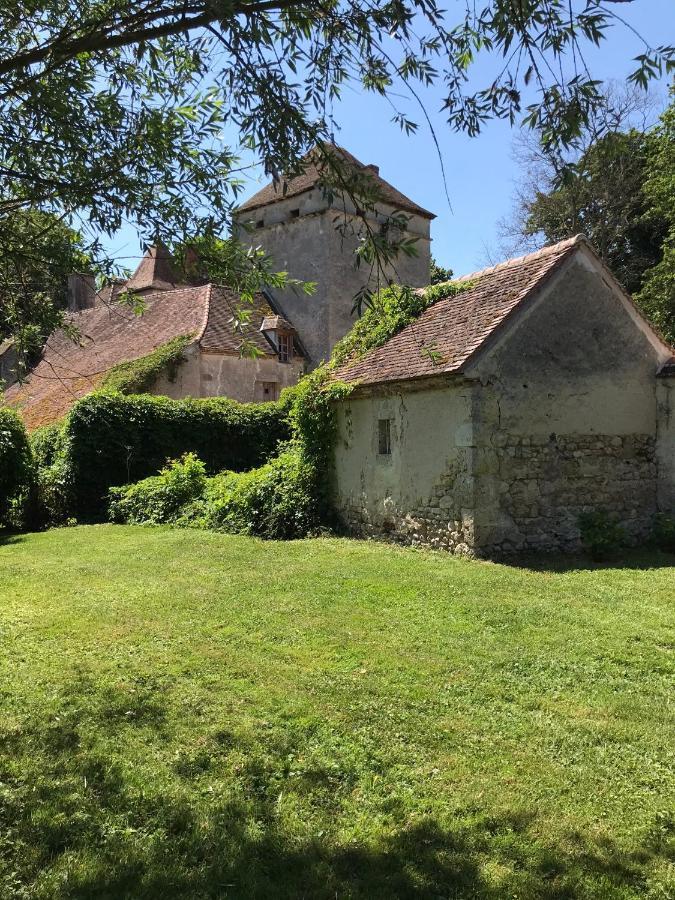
point(291, 494)
point(139, 375)
point(391, 311)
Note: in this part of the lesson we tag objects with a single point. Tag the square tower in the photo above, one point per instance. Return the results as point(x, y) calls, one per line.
point(310, 229)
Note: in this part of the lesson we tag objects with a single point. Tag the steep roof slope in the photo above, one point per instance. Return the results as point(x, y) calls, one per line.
point(156, 271)
point(447, 335)
point(113, 334)
point(313, 175)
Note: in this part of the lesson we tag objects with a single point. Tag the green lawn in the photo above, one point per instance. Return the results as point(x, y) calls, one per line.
point(187, 714)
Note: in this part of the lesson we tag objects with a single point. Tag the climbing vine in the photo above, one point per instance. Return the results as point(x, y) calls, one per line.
point(390, 311)
point(139, 375)
point(290, 495)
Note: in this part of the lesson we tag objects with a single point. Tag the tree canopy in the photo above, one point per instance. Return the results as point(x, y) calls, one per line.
point(657, 296)
point(602, 197)
point(620, 192)
point(113, 112)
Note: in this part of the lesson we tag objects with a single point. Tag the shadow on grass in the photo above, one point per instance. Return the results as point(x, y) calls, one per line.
point(10, 537)
point(78, 822)
point(639, 559)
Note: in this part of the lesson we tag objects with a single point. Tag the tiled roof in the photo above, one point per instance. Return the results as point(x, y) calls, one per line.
point(447, 334)
point(312, 175)
point(113, 334)
point(155, 272)
point(223, 334)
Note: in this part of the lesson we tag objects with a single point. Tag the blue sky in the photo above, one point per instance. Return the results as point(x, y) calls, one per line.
point(480, 171)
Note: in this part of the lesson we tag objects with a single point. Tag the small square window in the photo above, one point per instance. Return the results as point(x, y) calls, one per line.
point(260, 223)
point(295, 214)
point(384, 437)
point(266, 390)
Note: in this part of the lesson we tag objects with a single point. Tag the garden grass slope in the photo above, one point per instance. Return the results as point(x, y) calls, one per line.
point(191, 714)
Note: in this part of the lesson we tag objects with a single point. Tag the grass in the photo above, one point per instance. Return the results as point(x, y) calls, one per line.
point(188, 714)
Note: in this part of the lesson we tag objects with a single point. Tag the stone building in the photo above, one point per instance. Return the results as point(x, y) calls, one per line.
point(313, 233)
point(295, 222)
point(547, 395)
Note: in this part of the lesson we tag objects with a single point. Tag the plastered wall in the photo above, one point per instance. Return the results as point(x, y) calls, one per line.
point(228, 375)
point(423, 491)
point(311, 248)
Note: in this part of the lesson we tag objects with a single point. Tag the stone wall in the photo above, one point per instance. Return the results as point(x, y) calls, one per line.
point(665, 444)
point(443, 520)
point(302, 235)
point(545, 484)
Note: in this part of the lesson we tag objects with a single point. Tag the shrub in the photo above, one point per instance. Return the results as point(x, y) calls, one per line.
point(663, 533)
point(276, 501)
point(110, 439)
point(16, 467)
point(162, 497)
point(601, 535)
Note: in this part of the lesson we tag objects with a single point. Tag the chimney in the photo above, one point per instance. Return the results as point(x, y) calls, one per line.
point(81, 292)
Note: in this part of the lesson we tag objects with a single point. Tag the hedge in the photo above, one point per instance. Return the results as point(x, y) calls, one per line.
point(109, 439)
point(15, 466)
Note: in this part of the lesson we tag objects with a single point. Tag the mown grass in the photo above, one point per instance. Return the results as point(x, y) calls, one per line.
point(188, 714)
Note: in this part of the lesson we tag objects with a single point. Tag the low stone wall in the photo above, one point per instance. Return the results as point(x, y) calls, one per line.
point(541, 486)
point(544, 484)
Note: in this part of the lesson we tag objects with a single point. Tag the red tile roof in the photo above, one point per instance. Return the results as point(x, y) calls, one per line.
point(313, 174)
point(112, 334)
point(156, 271)
point(448, 333)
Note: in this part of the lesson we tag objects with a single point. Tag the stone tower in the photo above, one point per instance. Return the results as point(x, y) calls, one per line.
point(301, 226)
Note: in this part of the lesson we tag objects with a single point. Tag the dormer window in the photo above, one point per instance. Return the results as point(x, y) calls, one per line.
point(285, 347)
point(280, 335)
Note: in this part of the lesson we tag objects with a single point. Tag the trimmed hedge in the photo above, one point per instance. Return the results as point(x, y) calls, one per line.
point(110, 439)
point(16, 467)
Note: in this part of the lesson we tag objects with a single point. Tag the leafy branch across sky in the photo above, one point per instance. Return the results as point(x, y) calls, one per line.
point(114, 113)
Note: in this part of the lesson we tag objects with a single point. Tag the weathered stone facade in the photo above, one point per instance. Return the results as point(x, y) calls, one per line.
point(443, 520)
point(570, 411)
point(545, 484)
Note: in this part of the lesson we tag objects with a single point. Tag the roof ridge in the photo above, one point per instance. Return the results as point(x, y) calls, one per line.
point(560, 246)
point(207, 311)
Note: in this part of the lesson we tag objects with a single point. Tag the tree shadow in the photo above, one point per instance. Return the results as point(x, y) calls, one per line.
point(78, 823)
point(11, 537)
point(494, 858)
point(639, 559)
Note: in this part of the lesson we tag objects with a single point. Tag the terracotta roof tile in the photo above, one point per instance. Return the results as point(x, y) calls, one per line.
point(155, 272)
point(113, 334)
point(312, 175)
point(221, 333)
point(447, 334)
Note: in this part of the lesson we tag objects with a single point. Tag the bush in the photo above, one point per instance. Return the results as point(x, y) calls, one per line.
point(16, 468)
point(110, 439)
point(160, 498)
point(275, 501)
point(601, 535)
point(663, 533)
